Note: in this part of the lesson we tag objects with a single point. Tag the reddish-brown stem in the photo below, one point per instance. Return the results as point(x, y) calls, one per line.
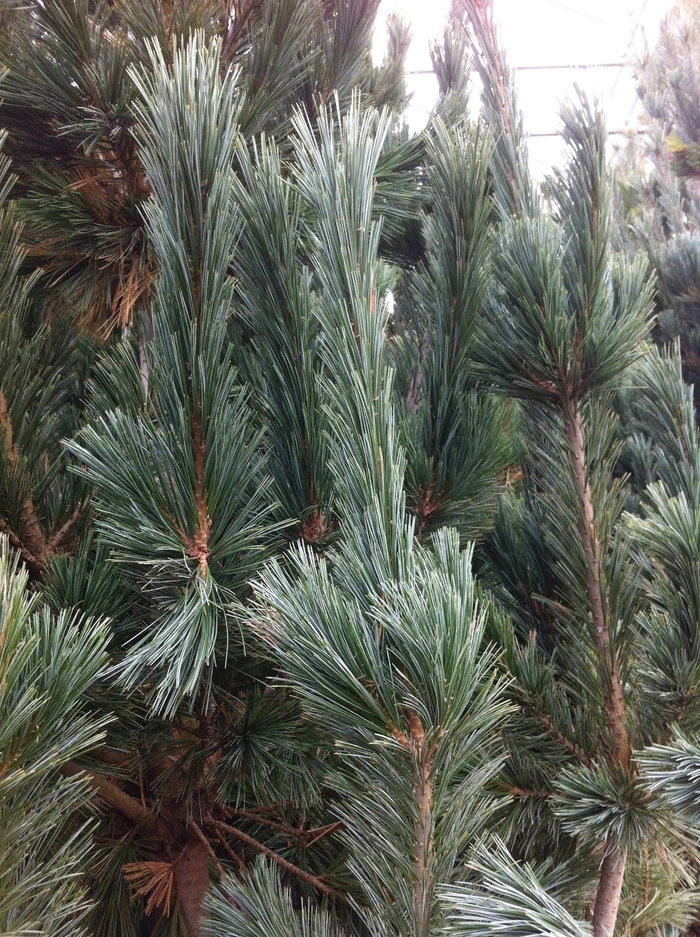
point(423, 826)
point(612, 870)
point(321, 831)
point(60, 535)
point(271, 854)
point(199, 545)
point(222, 842)
point(607, 899)
point(207, 845)
point(426, 507)
point(423, 793)
point(525, 793)
point(32, 542)
point(297, 833)
point(613, 696)
point(123, 803)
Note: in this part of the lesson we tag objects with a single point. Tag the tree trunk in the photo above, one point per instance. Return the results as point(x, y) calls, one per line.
point(612, 871)
point(423, 828)
point(423, 793)
point(607, 899)
point(30, 536)
point(192, 882)
point(615, 710)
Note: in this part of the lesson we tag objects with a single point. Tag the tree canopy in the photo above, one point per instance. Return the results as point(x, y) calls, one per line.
point(349, 495)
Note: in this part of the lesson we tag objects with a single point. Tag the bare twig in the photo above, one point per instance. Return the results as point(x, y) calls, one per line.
point(207, 845)
point(275, 856)
point(66, 528)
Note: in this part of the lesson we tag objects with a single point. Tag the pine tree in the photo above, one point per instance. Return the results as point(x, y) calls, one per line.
point(151, 866)
point(360, 557)
point(657, 193)
point(565, 333)
point(48, 664)
point(69, 100)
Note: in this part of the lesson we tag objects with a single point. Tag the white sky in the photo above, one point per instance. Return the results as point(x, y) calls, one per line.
point(545, 32)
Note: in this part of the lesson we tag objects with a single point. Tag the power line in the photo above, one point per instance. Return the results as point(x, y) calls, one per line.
point(534, 68)
point(634, 33)
point(610, 133)
point(579, 12)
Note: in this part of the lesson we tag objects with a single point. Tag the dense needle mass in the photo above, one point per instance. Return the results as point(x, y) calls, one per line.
point(350, 513)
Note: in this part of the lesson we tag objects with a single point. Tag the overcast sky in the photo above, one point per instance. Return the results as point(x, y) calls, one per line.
point(546, 32)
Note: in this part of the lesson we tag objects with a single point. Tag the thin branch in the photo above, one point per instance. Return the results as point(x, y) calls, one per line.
point(207, 845)
point(66, 528)
point(240, 864)
point(322, 831)
point(562, 739)
point(525, 793)
point(272, 824)
point(297, 832)
point(275, 856)
point(611, 683)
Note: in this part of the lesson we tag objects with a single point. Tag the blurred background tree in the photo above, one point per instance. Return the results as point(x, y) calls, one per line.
point(658, 182)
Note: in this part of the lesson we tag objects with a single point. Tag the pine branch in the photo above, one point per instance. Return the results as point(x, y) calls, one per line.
point(613, 694)
point(123, 803)
point(275, 856)
point(423, 848)
point(296, 832)
point(32, 542)
point(237, 860)
point(570, 747)
point(525, 793)
point(263, 821)
point(207, 845)
point(57, 538)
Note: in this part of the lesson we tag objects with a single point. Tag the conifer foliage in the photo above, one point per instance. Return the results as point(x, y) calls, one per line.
point(350, 516)
point(657, 195)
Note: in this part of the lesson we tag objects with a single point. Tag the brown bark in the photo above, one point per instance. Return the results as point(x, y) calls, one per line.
point(423, 827)
point(427, 506)
point(198, 546)
point(613, 696)
point(191, 882)
point(423, 792)
point(275, 856)
point(60, 535)
point(607, 899)
point(306, 837)
point(612, 871)
point(118, 800)
point(30, 538)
